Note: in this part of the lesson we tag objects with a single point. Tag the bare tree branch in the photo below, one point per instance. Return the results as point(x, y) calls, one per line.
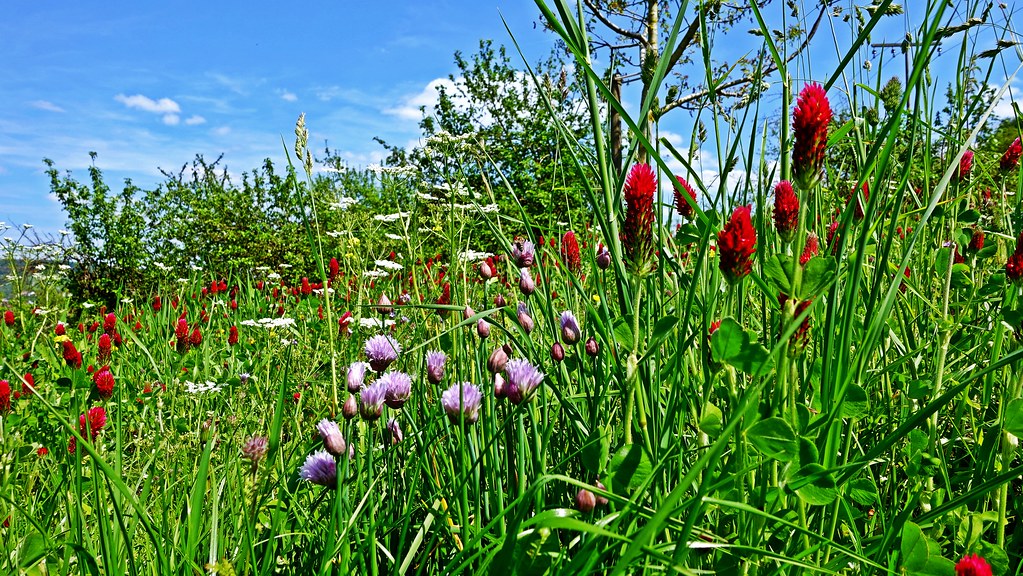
point(612, 26)
point(744, 79)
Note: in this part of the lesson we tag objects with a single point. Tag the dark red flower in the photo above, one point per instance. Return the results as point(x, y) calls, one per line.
point(157, 304)
point(811, 249)
point(1012, 154)
point(786, 210)
point(637, 231)
point(444, 299)
point(232, 336)
point(91, 423)
point(59, 329)
point(965, 165)
point(683, 207)
point(72, 356)
point(570, 252)
point(28, 385)
point(181, 328)
point(1014, 267)
point(810, 121)
point(802, 334)
point(976, 240)
point(9, 317)
point(5, 396)
point(334, 269)
point(109, 323)
point(195, 338)
point(902, 287)
point(973, 565)
point(103, 381)
point(736, 245)
point(832, 231)
point(104, 353)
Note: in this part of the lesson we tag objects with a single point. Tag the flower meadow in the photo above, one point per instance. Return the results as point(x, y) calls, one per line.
point(810, 363)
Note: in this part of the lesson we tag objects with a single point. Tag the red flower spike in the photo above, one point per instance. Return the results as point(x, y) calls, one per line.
point(973, 565)
point(103, 381)
point(811, 249)
point(965, 165)
point(72, 356)
point(802, 334)
point(976, 240)
point(104, 349)
point(810, 121)
point(5, 396)
point(9, 318)
point(637, 231)
point(786, 210)
point(570, 252)
point(685, 210)
point(736, 245)
point(1011, 157)
point(232, 336)
point(334, 269)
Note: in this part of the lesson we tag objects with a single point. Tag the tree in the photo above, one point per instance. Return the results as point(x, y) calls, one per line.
point(491, 124)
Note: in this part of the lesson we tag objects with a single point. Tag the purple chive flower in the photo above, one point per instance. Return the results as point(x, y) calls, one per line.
point(462, 400)
point(570, 332)
point(399, 388)
point(523, 253)
point(356, 376)
point(435, 366)
point(525, 320)
point(523, 379)
point(394, 431)
point(371, 400)
point(332, 438)
point(350, 408)
point(320, 468)
point(381, 351)
point(526, 284)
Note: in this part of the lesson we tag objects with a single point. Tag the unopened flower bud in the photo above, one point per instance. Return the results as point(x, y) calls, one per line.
point(350, 408)
point(603, 259)
point(498, 359)
point(384, 305)
point(585, 501)
point(526, 284)
point(592, 348)
point(483, 328)
point(557, 352)
point(486, 272)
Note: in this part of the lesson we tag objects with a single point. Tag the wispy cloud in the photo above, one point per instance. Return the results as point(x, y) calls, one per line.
point(46, 105)
point(288, 96)
point(195, 120)
point(147, 104)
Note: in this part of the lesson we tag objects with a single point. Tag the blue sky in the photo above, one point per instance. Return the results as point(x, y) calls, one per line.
point(149, 86)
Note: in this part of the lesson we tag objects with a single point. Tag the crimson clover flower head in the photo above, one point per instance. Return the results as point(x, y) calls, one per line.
point(103, 380)
point(810, 121)
point(965, 165)
point(786, 210)
point(382, 350)
point(72, 356)
point(435, 366)
point(522, 380)
point(5, 396)
point(683, 207)
point(973, 565)
point(736, 245)
point(637, 231)
point(570, 331)
point(320, 468)
point(255, 449)
point(811, 249)
point(92, 422)
point(1012, 155)
point(462, 401)
point(371, 400)
point(399, 388)
point(570, 253)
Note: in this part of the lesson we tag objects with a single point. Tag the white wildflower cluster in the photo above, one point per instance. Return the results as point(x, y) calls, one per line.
point(201, 387)
point(273, 276)
point(269, 322)
point(394, 237)
point(393, 170)
point(427, 197)
point(485, 209)
point(340, 233)
point(391, 217)
point(472, 256)
point(388, 265)
point(343, 203)
point(375, 274)
point(375, 323)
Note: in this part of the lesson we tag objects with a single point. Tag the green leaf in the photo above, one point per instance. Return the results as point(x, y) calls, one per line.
point(776, 273)
point(808, 453)
point(987, 251)
point(817, 274)
point(1012, 420)
point(733, 345)
point(814, 485)
point(855, 403)
point(31, 550)
point(534, 553)
point(775, 439)
point(969, 216)
point(913, 547)
point(710, 421)
point(662, 329)
point(628, 470)
point(862, 491)
point(961, 276)
point(597, 450)
point(994, 555)
point(623, 332)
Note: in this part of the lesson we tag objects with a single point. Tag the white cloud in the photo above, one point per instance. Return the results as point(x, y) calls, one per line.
point(222, 130)
point(288, 96)
point(146, 104)
point(171, 119)
point(46, 105)
point(410, 108)
point(195, 120)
